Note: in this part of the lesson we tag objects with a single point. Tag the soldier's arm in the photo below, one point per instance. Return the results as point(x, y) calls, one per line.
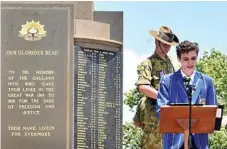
point(144, 80)
point(148, 91)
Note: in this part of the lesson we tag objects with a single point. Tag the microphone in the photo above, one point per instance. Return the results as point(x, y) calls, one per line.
point(189, 94)
point(186, 81)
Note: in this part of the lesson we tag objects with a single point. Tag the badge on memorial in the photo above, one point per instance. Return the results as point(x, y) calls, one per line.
point(32, 31)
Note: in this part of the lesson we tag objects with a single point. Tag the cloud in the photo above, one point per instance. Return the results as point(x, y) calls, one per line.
point(130, 62)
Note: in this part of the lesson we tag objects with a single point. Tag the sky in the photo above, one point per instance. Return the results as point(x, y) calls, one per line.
point(201, 22)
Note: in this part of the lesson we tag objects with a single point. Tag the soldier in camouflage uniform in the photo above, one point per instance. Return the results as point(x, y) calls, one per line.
point(149, 74)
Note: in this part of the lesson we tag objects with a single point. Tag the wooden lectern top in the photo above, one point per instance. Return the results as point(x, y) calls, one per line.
point(175, 119)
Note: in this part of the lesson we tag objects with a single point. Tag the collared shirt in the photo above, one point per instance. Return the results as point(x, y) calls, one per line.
point(191, 77)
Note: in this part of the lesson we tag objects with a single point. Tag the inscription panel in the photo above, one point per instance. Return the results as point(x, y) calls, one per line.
point(36, 69)
point(98, 99)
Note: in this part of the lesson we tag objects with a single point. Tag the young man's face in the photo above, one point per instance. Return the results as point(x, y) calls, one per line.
point(188, 62)
point(164, 47)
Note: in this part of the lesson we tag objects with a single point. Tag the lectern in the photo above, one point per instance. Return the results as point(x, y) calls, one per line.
point(175, 119)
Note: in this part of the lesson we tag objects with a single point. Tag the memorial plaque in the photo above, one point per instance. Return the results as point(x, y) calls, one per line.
point(98, 99)
point(36, 75)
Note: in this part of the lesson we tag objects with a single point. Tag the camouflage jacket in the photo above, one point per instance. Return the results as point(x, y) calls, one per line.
point(152, 69)
point(149, 73)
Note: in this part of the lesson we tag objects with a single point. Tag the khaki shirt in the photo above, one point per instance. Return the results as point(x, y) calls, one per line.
point(149, 73)
point(151, 70)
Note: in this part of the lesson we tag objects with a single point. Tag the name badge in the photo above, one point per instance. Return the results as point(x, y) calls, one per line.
point(202, 101)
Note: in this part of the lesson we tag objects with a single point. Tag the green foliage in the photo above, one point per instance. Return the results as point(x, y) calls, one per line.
point(132, 98)
point(214, 63)
point(131, 139)
point(218, 140)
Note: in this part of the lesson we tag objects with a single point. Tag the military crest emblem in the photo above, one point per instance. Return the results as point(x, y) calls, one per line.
point(32, 31)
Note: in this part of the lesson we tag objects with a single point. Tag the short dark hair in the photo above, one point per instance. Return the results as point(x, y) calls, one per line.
point(186, 46)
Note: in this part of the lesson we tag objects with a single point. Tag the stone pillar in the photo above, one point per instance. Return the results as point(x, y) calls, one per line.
point(98, 60)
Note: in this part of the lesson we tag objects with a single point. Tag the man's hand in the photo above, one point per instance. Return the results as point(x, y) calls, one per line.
point(148, 91)
point(138, 124)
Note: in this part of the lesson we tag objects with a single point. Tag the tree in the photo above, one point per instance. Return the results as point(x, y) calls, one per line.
point(132, 98)
point(131, 138)
point(213, 63)
point(218, 140)
point(132, 134)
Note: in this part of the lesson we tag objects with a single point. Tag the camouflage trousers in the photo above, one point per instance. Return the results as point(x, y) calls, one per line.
point(146, 114)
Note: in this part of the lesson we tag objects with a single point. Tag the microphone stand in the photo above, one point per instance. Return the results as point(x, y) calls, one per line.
point(189, 94)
